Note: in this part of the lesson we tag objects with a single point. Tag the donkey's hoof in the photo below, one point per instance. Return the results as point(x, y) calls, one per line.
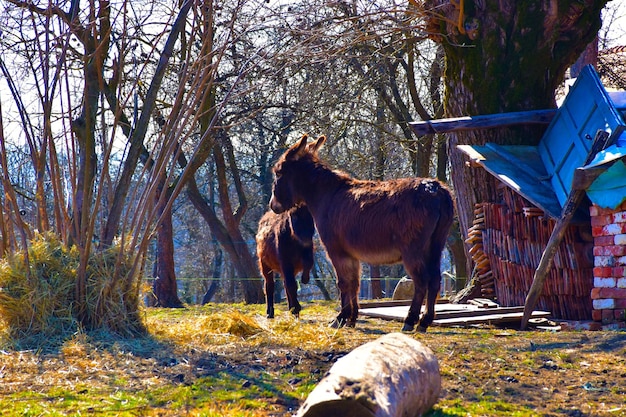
point(408, 328)
point(270, 315)
point(421, 329)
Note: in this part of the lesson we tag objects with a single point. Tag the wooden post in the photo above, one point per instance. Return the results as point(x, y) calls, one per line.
point(580, 182)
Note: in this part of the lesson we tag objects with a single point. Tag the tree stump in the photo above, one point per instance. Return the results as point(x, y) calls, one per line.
point(404, 289)
point(392, 376)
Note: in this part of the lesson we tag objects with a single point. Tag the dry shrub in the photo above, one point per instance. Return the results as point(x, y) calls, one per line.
point(37, 304)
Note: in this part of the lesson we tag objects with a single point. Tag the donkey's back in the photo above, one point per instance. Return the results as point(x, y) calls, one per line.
point(383, 222)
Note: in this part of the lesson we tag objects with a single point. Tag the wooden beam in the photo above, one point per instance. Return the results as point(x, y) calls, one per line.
point(569, 208)
point(487, 121)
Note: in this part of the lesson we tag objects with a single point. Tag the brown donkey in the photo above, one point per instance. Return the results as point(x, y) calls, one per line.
point(284, 244)
point(379, 222)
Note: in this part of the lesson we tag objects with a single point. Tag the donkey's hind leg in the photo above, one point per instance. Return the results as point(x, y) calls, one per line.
point(433, 269)
point(416, 272)
point(268, 276)
point(434, 286)
point(348, 272)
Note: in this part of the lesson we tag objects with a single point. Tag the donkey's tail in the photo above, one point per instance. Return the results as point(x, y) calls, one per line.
point(444, 224)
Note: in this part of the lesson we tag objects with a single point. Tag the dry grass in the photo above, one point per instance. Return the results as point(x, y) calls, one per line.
point(37, 303)
point(229, 360)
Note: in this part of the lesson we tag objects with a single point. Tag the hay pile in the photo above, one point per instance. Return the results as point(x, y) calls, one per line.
point(37, 300)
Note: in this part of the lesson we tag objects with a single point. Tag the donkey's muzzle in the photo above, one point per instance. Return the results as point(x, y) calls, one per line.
point(276, 206)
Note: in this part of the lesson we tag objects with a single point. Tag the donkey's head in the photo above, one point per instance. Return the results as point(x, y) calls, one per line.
point(302, 225)
point(288, 172)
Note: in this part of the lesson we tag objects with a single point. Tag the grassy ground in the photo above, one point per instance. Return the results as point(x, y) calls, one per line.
point(228, 360)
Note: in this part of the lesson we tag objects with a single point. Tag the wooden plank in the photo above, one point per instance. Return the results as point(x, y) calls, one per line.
point(456, 314)
point(571, 204)
point(546, 116)
point(488, 319)
point(454, 124)
point(384, 303)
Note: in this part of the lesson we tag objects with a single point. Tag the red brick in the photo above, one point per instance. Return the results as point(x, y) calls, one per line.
point(609, 250)
point(596, 315)
point(617, 250)
point(595, 293)
point(618, 315)
point(620, 304)
point(602, 271)
point(607, 315)
point(618, 271)
point(617, 293)
point(593, 210)
point(604, 240)
point(602, 220)
point(619, 217)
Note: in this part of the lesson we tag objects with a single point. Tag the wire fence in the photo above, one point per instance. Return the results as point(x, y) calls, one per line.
point(192, 290)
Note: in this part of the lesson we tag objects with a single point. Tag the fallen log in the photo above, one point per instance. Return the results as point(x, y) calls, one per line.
point(392, 376)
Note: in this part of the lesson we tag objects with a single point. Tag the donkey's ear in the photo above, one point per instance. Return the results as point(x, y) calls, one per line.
point(299, 148)
point(315, 146)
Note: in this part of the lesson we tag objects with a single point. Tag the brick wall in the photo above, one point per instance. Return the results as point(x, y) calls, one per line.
point(609, 273)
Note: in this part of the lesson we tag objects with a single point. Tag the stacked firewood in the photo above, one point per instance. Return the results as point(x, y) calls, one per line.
point(512, 235)
point(481, 261)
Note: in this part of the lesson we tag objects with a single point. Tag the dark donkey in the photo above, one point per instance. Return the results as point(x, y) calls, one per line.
point(284, 244)
point(379, 222)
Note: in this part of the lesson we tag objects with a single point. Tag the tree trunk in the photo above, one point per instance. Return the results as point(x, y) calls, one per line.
point(239, 254)
point(502, 57)
point(218, 263)
point(165, 287)
point(377, 289)
point(393, 376)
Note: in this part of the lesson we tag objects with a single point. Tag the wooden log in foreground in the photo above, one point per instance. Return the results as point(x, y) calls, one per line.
point(392, 376)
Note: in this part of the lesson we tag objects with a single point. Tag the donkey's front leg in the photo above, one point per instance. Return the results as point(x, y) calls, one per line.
point(291, 288)
point(268, 275)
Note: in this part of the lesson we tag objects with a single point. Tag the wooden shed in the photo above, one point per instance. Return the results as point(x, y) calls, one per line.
point(509, 236)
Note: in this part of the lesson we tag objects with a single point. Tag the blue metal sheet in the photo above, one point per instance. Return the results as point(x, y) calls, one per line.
point(609, 189)
point(567, 141)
